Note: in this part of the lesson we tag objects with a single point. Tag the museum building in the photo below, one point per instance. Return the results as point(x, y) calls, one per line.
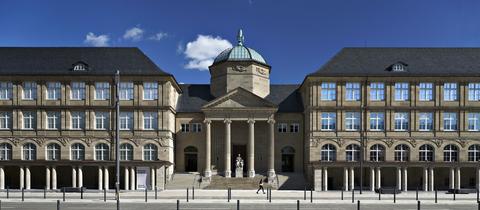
point(373, 117)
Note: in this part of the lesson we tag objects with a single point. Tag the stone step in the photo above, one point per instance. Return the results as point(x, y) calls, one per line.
point(220, 182)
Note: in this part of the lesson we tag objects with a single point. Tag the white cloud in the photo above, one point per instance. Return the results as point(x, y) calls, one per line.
point(134, 34)
point(180, 48)
point(158, 36)
point(203, 51)
point(97, 41)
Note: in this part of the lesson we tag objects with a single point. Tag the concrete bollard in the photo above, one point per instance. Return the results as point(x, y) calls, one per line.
point(358, 205)
point(454, 194)
point(104, 195)
point(353, 195)
point(118, 203)
point(156, 191)
point(58, 204)
point(298, 205)
point(435, 195)
point(418, 205)
point(270, 197)
point(45, 192)
point(311, 195)
point(187, 194)
point(193, 192)
point(416, 194)
point(81, 192)
point(228, 194)
point(146, 194)
point(178, 204)
point(238, 204)
point(379, 193)
point(305, 193)
point(63, 189)
point(23, 194)
point(395, 195)
point(341, 196)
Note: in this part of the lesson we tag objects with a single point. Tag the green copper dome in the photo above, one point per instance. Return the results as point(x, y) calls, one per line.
point(239, 53)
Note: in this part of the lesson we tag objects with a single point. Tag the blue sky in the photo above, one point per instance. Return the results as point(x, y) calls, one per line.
point(295, 37)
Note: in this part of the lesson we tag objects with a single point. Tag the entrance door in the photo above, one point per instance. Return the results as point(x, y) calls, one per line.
point(190, 159)
point(287, 162)
point(190, 162)
point(242, 151)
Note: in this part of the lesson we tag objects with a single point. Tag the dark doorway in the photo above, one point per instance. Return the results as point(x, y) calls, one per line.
point(288, 159)
point(191, 158)
point(242, 150)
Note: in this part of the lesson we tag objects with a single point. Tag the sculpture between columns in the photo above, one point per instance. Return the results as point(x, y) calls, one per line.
point(239, 167)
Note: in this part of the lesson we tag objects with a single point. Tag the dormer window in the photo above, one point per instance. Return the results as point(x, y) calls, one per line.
point(398, 67)
point(80, 66)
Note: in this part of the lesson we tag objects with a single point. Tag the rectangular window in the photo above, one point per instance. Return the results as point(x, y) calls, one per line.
point(377, 121)
point(150, 90)
point(29, 90)
point(328, 121)
point(53, 90)
point(474, 121)
point(449, 121)
point(102, 90)
point(126, 120)
point(401, 121)
point(29, 120)
point(425, 121)
point(78, 120)
point(282, 127)
point(450, 91)
point(353, 91)
point(401, 91)
point(196, 127)
point(328, 91)
point(150, 120)
point(185, 127)
point(377, 91)
point(5, 120)
point(78, 91)
point(6, 90)
point(426, 91)
point(53, 120)
point(126, 91)
point(352, 121)
point(294, 127)
point(474, 91)
point(102, 120)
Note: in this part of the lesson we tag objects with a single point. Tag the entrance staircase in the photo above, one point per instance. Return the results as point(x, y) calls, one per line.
point(184, 181)
point(220, 182)
point(291, 181)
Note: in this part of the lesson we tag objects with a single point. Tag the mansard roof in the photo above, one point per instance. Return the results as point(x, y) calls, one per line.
point(442, 62)
point(195, 96)
point(61, 61)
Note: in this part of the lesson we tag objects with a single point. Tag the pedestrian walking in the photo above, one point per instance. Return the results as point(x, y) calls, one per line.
point(260, 186)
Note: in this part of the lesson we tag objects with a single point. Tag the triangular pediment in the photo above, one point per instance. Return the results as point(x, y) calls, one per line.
point(239, 98)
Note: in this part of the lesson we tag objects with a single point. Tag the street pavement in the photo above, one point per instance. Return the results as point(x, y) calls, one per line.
point(218, 199)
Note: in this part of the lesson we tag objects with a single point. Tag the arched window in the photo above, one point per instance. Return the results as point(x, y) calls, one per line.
point(126, 152)
point(450, 153)
point(426, 153)
point(78, 151)
point(150, 152)
point(5, 151)
point(53, 151)
point(29, 151)
point(402, 153)
point(328, 153)
point(377, 153)
point(288, 150)
point(102, 152)
point(474, 153)
point(353, 152)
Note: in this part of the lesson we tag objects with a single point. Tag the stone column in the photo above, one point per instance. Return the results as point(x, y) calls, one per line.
point(318, 182)
point(352, 178)
point(2, 178)
point(54, 178)
point(22, 177)
point(228, 152)
point(126, 178)
point(271, 151)
point(432, 178)
point(251, 148)
point(372, 179)
point(325, 179)
point(399, 178)
point(80, 176)
point(107, 179)
point(74, 176)
point(379, 178)
point(152, 178)
point(132, 176)
point(405, 179)
point(425, 179)
point(47, 177)
point(452, 178)
point(28, 178)
point(345, 178)
point(100, 178)
point(458, 183)
point(208, 149)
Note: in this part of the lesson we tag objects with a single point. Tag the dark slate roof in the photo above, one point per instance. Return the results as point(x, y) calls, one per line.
point(60, 60)
point(419, 62)
point(194, 96)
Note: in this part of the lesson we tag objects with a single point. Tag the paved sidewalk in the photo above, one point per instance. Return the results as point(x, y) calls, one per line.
point(246, 196)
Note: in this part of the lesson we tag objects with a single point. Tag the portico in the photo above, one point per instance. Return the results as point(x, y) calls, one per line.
point(240, 106)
